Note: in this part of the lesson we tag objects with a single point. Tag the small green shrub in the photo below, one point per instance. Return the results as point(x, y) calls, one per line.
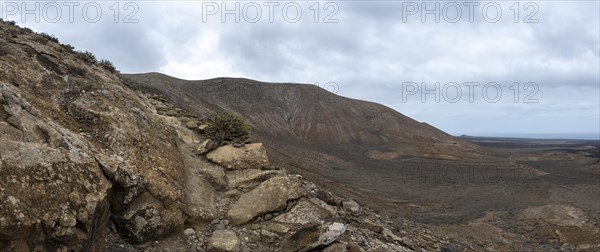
point(67, 47)
point(26, 30)
point(87, 57)
point(108, 66)
point(227, 127)
point(49, 37)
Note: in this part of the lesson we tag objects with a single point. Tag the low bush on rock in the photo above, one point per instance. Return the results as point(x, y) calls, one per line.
point(87, 57)
point(49, 37)
point(106, 64)
point(227, 127)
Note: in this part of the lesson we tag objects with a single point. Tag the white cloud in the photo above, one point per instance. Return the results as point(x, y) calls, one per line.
point(201, 60)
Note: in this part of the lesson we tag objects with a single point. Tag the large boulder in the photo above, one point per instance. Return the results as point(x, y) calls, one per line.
point(206, 146)
point(146, 217)
point(304, 212)
point(224, 241)
point(351, 206)
point(271, 195)
point(249, 156)
point(313, 237)
point(50, 194)
point(192, 124)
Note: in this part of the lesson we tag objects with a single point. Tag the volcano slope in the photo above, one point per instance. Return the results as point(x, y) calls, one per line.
point(393, 163)
point(352, 146)
point(310, 129)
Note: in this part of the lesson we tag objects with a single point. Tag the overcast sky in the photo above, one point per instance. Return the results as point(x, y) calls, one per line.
point(378, 51)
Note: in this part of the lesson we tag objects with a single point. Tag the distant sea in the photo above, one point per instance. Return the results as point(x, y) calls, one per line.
point(585, 136)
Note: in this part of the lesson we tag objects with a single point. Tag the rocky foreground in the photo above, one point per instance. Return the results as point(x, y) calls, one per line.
point(88, 164)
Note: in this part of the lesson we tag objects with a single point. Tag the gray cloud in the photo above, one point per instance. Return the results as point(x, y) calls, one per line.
point(370, 52)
